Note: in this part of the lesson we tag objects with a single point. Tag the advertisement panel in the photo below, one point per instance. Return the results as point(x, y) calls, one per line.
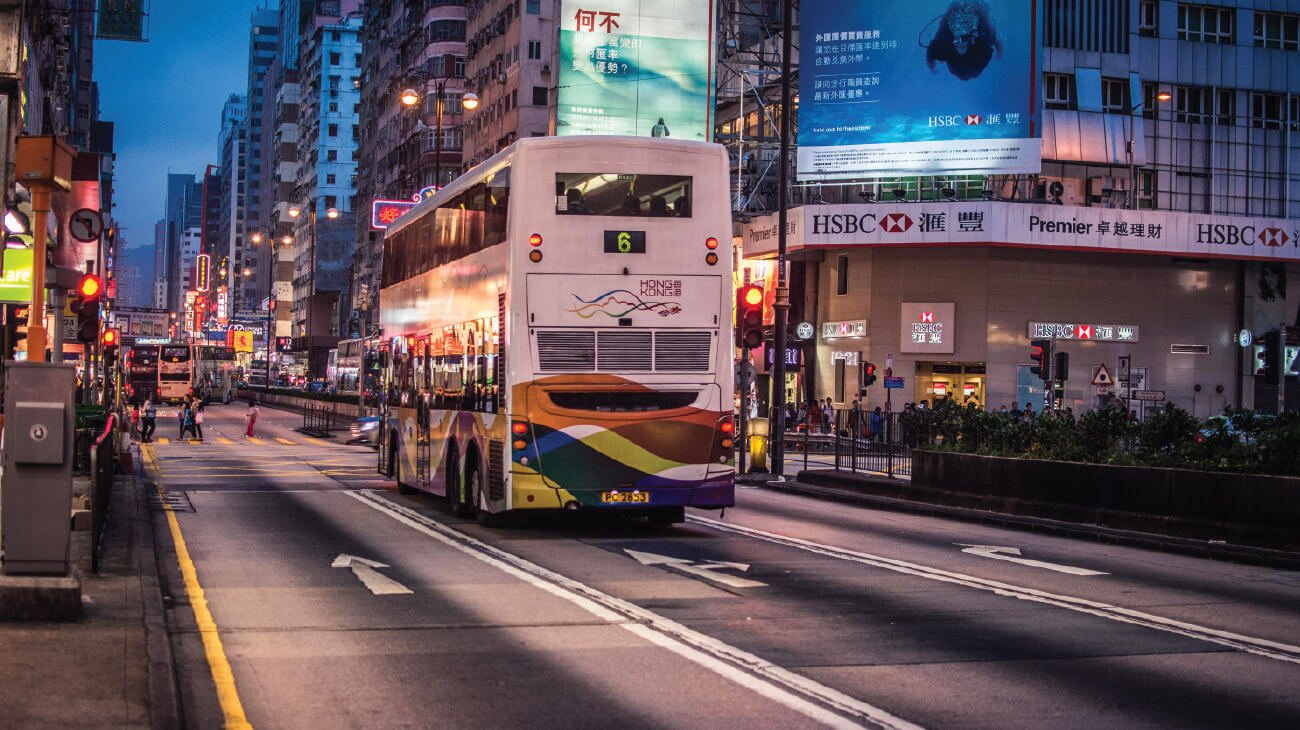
point(920, 87)
point(16, 284)
point(636, 68)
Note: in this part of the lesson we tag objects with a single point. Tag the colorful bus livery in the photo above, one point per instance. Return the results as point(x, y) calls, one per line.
point(558, 332)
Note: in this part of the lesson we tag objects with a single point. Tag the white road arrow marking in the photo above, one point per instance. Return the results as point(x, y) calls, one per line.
point(366, 571)
point(706, 570)
point(1008, 554)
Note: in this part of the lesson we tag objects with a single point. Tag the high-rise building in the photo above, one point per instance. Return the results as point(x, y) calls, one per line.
point(232, 194)
point(330, 51)
point(183, 210)
point(509, 52)
point(264, 47)
point(421, 48)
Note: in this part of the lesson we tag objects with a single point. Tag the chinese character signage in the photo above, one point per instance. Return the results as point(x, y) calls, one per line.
point(384, 212)
point(636, 68)
point(1084, 331)
point(918, 87)
point(201, 266)
point(928, 327)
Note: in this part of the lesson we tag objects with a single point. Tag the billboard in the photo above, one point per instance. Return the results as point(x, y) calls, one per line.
point(16, 283)
point(922, 87)
point(636, 68)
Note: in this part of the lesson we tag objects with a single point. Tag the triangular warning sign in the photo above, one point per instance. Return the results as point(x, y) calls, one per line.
point(1102, 376)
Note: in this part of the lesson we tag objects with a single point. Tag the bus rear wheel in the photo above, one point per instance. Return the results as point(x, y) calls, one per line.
point(395, 469)
point(474, 488)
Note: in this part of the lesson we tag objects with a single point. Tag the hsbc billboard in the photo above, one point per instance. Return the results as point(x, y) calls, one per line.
point(928, 327)
point(1031, 225)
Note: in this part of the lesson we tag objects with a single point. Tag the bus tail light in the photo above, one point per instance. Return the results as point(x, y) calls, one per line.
point(710, 243)
point(535, 256)
point(519, 430)
point(727, 430)
point(535, 239)
point(711, 258)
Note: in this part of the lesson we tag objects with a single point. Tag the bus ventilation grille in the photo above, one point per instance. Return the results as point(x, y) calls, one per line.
point(621, 351)
point(496, 470)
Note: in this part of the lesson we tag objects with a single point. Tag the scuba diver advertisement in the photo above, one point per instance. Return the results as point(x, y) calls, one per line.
point(919, 87)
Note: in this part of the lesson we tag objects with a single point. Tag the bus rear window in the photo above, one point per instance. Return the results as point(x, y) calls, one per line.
point(176, 354)
point(618, 194)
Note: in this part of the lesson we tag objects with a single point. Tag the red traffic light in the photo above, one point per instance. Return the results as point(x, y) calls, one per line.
point(749, 316)
point(90, 287)
point(109, 338)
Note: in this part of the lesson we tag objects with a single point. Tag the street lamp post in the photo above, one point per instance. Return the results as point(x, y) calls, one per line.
point(411, 97)
point(330, 213)
point(1132, 158)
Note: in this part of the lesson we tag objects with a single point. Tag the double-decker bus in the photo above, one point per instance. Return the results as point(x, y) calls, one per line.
point(356, 358)
point(141, 370)
point(557, 332)
point(175, 372)
point(214, 372)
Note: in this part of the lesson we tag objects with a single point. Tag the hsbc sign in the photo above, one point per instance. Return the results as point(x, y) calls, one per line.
point(1031, 225)
point(1083, 331)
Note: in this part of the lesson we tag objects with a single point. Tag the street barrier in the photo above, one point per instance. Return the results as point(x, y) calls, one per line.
point(105, 446)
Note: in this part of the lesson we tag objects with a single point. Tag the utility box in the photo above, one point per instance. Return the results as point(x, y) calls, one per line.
point(36, 492)
point(44, 159)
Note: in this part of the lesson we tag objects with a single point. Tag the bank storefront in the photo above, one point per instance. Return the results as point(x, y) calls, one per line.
point(1140, 300)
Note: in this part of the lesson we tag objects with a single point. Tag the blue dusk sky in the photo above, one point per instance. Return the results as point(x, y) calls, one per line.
point(165, 99)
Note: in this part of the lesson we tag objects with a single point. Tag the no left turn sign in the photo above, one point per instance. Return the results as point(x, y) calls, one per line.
point(86, 225)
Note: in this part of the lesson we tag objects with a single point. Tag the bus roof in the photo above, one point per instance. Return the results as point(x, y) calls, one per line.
point(460, 184)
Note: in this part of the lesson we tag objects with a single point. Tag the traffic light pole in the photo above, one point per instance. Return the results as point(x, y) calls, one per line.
point(58, 299)
point(782, 304)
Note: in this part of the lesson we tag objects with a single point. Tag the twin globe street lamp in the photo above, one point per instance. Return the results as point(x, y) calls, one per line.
point(410, 98)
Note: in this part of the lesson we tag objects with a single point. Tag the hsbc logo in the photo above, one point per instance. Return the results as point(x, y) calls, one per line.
point(1273, 237)
point(1083, 332)
point(973, 120)
point(927, 317)
point(896, 223)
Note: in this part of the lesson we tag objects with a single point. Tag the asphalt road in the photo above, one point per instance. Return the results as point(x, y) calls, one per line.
point(784, 612)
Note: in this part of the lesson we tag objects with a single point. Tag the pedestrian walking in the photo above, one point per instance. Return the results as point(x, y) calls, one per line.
point(251, 416)
point(148, 421)
point(187, 419)
point(198, 420)
point(828, 415)
point(135, 421)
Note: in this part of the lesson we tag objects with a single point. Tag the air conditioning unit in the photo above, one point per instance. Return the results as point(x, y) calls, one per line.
point(501, 77)
point(546, 68)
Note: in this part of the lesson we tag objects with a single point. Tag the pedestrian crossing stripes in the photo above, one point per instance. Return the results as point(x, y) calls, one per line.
point(286, 442)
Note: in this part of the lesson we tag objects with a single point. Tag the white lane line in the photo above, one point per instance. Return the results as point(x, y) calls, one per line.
point(1012, 555)
point(752, 672)
point(1254, 645)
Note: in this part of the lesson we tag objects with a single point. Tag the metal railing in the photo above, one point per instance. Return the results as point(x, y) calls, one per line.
point(319, 419)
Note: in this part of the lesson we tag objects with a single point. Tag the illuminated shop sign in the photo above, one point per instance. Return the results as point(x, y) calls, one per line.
point(384, 212)
point(1084, 331)
point(849, 358)
point(928, 326)
point(850, 328)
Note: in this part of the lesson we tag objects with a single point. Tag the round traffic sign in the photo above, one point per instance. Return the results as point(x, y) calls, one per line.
point(86, 225)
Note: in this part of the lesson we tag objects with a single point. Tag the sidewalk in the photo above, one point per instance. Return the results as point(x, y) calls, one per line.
point(113, 667)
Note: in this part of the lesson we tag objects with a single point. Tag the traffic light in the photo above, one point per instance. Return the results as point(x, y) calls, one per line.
point(749, 316)
point(1272, 355)
point(88, 298)
point(869, 374)
point(1062, 370)
point(1040, 351)
point(109, 342)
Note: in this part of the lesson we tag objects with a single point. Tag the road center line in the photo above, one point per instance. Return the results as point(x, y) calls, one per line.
point(778, 684)
point(1261, 647)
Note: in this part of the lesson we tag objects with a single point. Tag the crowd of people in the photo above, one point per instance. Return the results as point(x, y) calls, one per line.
point(190, 417)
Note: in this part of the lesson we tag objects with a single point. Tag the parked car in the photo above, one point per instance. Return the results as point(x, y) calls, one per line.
point(365, 430)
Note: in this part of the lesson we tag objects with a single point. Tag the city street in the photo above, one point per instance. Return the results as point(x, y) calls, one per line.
point(338, 603)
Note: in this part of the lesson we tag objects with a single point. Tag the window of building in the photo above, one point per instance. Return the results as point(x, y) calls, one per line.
point(842, 274)
point(1114, 95)
point(1266, 110)
point(1277, 30)
point(1098, 26)
point(330, 179)
point(533, 7)
point(334, 34)
point(534, 50)
point(1058, 91)
point(1149, 18)
point(539, 96)
point(1192, 104)
point(1295, 113)
point(335, 58)
point(1206, 23)
point(331, 201)
point(1226, 107)
point(460, 66)
point(445, 30)
point(331, 155)
point(515, 96)
point(508, 107)
point(333, 130)
point(334, 106)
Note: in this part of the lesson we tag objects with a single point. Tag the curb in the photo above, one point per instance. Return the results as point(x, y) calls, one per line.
point(164, 704)
point(1165, 543)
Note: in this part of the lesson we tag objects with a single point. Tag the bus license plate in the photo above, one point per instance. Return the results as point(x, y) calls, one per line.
point(625, 497)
